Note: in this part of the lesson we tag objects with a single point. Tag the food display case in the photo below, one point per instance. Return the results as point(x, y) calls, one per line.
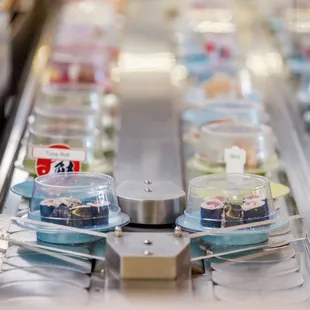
point(157, 158)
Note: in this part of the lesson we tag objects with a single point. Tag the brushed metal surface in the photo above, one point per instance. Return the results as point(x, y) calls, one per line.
point(52, 274)
point(148, 256)
point(148, 141)
point(64, 292)
point(155, 203)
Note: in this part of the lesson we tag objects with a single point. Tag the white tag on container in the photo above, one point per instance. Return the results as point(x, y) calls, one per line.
point(235, 158)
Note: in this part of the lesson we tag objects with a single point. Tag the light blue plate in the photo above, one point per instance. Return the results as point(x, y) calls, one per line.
point(276, 24)
point(298, 65)
point(201, 116)
point(59, 236)
point(23, 189)
point(233, 238)
point(204, 115)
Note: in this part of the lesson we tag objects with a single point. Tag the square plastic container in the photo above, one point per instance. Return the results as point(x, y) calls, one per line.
point(78, 200)
point(257, 141)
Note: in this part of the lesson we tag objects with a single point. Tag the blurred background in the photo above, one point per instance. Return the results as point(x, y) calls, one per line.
point(155, 91)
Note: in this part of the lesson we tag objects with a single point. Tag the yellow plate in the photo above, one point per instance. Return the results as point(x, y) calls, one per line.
point(279, 190)
point(202, 167)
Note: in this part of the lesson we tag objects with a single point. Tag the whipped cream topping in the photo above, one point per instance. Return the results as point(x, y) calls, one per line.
point(58, 201)
point(252, 205)
point(212, 204)
point(254, 197)
point(49, 202)
point(221, 198)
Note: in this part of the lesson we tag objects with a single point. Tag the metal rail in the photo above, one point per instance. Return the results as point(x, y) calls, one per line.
point(15, 129)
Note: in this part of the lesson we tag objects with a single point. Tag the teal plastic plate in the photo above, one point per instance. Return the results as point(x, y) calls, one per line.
point(233, 238)
point(23, 189)
point(59, 236)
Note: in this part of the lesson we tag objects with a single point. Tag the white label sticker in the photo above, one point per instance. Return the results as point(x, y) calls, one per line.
point(58, 154)
point(235, 158)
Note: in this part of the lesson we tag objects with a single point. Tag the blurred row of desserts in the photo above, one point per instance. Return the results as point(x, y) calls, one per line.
point(228, 144)
point(72, 125)
point(221, 108)
point(289, 22)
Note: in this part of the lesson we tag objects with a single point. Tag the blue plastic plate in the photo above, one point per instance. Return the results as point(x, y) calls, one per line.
point(232, 238)
point(196, 96)
point(23, 189)
point(59, 236)
point(298, 65)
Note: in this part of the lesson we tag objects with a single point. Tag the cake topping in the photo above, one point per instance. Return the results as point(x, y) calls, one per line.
point(49, 202)
point(221, 198)
point(212, 204)
point(252, 197)
point(252, 205)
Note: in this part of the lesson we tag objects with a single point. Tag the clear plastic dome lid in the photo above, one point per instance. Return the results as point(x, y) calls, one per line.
point(64, 150)
point(80, 200)
point(75, 137)
point(68, 98)
point(224, 200)
point(256, 141)
point(51, 118)
point(70, 73)
point(99, 56)
point(235, 111)
point(221, 84)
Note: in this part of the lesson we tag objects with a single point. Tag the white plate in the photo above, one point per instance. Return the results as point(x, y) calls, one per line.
point(14, 250)
point(45, 275)
point(267, 283)
point(55, 290)
point(38, 260)
point(284, 297)
point(266, 256)
point(258, 269)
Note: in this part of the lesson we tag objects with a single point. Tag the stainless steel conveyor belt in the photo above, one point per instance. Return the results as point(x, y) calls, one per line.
point(151, 185)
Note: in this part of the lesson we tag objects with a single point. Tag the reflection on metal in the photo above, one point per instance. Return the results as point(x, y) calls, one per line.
point(158, 203)
point(148, 142)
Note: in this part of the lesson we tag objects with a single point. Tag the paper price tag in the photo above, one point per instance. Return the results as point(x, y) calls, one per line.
point(235, 159)
point(57, 158)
